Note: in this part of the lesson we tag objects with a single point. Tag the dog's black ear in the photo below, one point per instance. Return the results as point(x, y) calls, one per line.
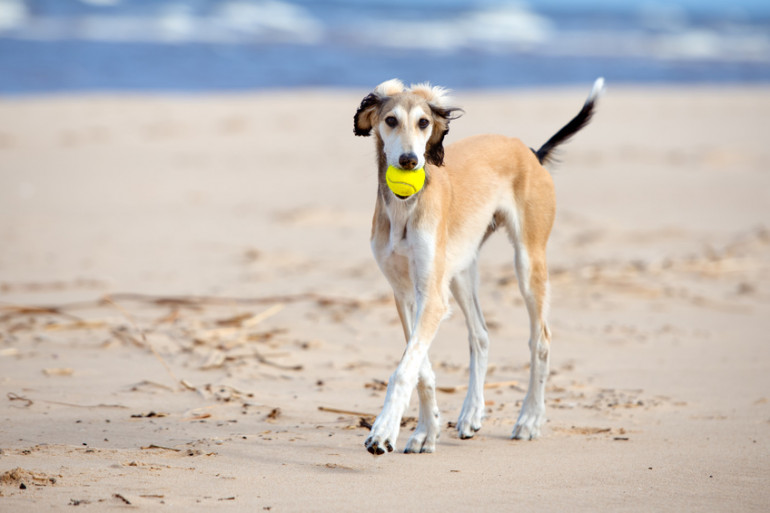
point(434, 152)
point(363, 121)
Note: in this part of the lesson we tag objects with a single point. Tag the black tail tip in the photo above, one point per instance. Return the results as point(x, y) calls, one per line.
point(545, 153)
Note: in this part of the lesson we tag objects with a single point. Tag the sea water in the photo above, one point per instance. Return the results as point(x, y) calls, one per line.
point(204, 45)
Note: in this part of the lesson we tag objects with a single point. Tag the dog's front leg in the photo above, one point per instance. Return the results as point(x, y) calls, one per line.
point(428, 425)
point(431, 304)
point(385, 429)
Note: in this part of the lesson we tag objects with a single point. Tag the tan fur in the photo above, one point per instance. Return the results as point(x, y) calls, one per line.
point(427, 245)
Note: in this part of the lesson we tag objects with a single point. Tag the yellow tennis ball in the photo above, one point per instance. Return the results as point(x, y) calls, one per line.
point(405, 182)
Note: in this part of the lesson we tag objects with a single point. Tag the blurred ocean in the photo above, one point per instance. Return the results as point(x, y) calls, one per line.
point(202, 45)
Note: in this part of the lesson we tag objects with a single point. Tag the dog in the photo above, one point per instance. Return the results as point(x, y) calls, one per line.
point(427, 245)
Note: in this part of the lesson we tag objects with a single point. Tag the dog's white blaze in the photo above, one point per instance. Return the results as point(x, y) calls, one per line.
point(391, 137)
point(407, 137)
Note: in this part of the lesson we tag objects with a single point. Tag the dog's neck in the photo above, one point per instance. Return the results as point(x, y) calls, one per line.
point(399, 211)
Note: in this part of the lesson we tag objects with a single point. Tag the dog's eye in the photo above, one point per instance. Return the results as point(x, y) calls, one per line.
point(423, 123)
point(391, 121)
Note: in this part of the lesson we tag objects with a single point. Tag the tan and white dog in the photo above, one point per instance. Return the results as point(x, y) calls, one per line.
point(428, 244)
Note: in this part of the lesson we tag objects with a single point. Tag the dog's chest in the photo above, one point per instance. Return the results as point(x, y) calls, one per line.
point(393, 241)
point(400, 229)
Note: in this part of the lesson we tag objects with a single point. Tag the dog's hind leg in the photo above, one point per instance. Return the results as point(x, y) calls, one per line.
point(533, 282)
point(465, 290)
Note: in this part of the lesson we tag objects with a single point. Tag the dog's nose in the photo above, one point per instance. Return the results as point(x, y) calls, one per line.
point(407, 161)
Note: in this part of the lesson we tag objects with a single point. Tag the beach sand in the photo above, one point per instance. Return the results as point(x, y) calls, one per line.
point(190, 316)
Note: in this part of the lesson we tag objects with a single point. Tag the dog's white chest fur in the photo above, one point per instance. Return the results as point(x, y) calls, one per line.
point(407, 252)
point(399, 214)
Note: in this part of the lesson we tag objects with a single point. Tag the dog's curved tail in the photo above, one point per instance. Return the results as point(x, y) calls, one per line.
point(545, 153)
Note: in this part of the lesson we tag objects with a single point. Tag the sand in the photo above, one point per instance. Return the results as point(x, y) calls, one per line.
point(190, 317)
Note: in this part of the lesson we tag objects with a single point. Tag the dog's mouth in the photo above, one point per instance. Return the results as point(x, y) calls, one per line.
point(404, 198)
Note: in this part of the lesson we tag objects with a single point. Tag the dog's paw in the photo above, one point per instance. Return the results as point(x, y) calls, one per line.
point(377, 446)
point(470, 421)
point(423, 440)
point(528, 425)
point(382, 437)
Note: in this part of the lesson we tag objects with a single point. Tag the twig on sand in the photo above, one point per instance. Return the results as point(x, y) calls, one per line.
point(108, 300)
point(197, 301)
point(12, 396)
point(487, 386)
point(345, 412)
point(176, 302)
point(76, 325)
point(235, 325)
point(154, 446)
point(120, 497)
point(14, 310)
point(89, 406)
point(261, 359)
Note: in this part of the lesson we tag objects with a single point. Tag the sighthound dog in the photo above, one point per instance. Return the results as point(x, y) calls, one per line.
point(428, 244)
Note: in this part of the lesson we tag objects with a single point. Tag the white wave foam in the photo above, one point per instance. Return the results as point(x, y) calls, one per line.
point(708, 44)
point(272, 17)
point(695, 44)
point(507, 27)
point(663, 33)
point(13, 14)
point(235, 21)
point(101, 3)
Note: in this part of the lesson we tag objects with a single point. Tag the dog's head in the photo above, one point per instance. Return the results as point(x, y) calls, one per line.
point(410, 122)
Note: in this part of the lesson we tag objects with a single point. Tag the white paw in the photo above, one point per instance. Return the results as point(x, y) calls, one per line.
point(423, 439)
point(528, 425)
point(470, 420)
point(383, 435)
